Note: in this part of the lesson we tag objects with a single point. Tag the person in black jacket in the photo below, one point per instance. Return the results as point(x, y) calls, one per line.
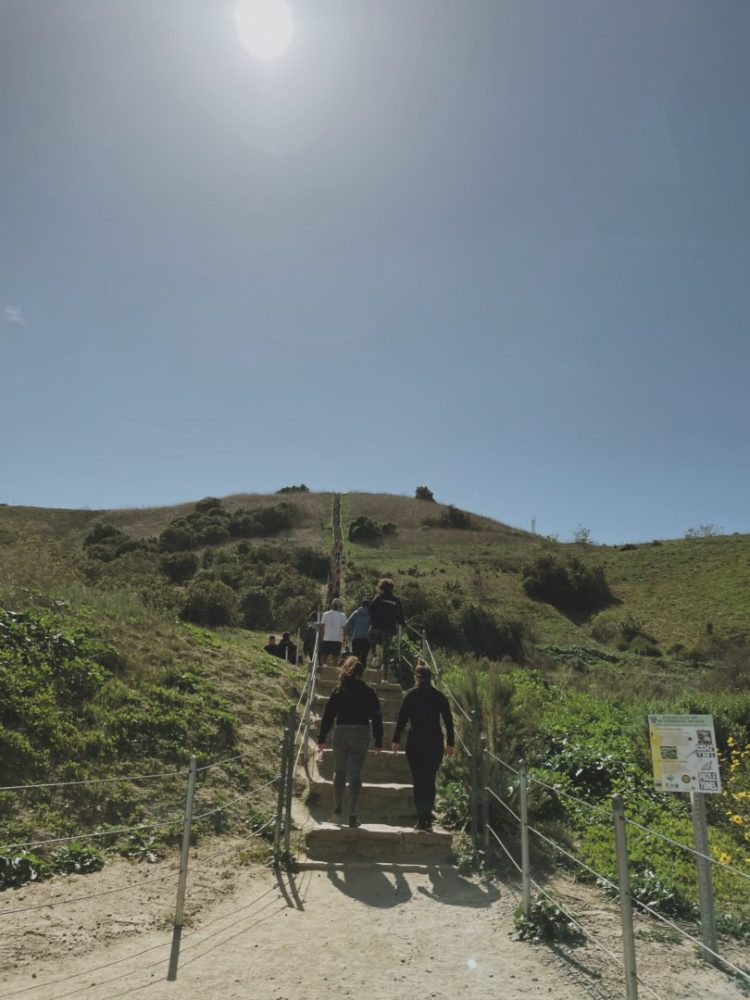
point(353, 705)
point(386, 614)
point(423, 707)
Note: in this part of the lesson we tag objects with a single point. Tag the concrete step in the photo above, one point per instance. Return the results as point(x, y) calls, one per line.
point(378, 802)
point(376, 842)
point(371, 676)
point(324, 685)
point(385, 767)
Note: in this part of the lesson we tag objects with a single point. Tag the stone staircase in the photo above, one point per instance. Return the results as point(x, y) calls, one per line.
point(386, 807)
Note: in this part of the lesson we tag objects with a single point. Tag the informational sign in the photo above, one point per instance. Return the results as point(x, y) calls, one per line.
point(683, 752)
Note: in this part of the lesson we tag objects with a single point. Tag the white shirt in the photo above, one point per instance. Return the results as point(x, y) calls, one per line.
point(333, 626)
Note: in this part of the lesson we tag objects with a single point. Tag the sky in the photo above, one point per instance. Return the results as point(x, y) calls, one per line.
point(500, 248)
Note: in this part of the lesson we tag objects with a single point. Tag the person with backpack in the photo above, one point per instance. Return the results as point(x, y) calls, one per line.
point(386, 614)
point(352, 706)
point(358, 629)
point(423, 708)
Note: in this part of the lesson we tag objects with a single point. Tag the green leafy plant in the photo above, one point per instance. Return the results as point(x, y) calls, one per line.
point(546, 923)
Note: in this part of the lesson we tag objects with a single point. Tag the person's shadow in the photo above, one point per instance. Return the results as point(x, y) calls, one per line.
point(372, 886)
point(455, 890)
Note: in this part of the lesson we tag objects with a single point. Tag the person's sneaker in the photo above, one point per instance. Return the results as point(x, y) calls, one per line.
point(353, 822)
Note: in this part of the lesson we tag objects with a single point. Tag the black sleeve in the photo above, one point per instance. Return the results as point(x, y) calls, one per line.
point(400, 613)
point(403, 717)
point(329, 717)
point(377, 718)
point(445, 711)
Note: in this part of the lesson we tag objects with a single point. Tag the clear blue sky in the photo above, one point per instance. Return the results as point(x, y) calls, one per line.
point(501, 248)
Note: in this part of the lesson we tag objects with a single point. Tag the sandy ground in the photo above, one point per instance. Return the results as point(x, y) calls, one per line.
point(353, 932)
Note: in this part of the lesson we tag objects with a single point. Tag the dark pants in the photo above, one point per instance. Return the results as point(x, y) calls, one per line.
point(424, 756)
point(361, 649)
point(383, 639)
point(350, 746)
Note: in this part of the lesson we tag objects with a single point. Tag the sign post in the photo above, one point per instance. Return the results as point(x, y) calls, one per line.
point(684, 757)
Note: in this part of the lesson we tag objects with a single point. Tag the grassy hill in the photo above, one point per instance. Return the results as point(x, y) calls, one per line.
point(139, 637)
point(679, 591)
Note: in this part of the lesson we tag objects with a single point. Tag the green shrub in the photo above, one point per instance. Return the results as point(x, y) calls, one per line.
point(365, 531)
point(209, 602)
point(177, 537)
point(256, 610)
point(104, 533)
point(546, 923)
point(179, 567)
point(20, 868)
point(77, 859)
point(455, 518)
point(261, 521)
point(572, 587)
point(294, 489)
point(208, 504)
point(312, 562)
point(424, 493)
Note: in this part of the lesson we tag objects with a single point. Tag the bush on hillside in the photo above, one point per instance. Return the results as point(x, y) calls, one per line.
point(294, 489)
point(209, 602)
point(485, 635)
point(104, 533)
point(207, 504)
point(179, 567)
point(210, 530)
point(366, 531)
point(312, 563)
point(424, 493)
point(256, 610)
point(246, 523)
point(177, 537)
point(571, 587)
point(452, 517)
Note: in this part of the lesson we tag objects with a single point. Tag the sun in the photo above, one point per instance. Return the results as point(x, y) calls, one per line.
point(265, 27)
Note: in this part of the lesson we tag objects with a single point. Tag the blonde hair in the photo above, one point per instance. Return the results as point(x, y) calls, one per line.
point(351, 667)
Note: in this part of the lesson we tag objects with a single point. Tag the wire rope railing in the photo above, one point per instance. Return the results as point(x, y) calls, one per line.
point(89, 895)
point(75, 838)
point(591, 937)
point(689, 937)
point(93, 781)
point(690, 850)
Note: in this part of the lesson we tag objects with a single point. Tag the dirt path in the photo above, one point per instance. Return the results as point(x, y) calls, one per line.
point(353, 932)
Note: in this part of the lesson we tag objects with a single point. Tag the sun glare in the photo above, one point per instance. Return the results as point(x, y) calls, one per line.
point(265, 26)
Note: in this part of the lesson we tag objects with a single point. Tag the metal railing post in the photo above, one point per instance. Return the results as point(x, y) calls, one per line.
point(626, 906)
point(705, 879)
point(474, 779)
point(280, 796)
point(485, 797)
point(289, 780)
point(523, 792)
point(179, 910)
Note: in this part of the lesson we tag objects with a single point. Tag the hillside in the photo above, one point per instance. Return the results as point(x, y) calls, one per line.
point(680, 593)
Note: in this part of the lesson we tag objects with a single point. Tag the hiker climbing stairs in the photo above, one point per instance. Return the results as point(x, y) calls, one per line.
point(386, 808)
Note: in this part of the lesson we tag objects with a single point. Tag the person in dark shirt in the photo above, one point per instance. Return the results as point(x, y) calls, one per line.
point(286, 649)
point(272, 646)
point(353, 705)
point(423, 707)
point(386, 614)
